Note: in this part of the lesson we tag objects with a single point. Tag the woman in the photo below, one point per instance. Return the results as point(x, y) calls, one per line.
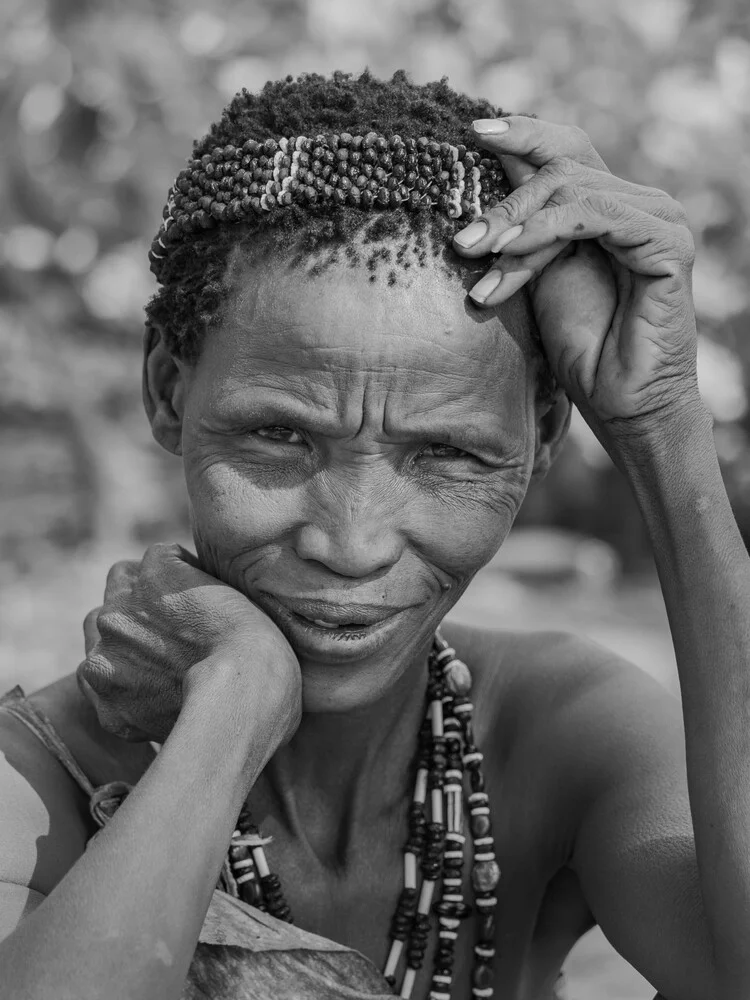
point(357, 436)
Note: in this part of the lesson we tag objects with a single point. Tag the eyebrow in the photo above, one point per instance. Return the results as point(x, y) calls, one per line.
point(233, 416)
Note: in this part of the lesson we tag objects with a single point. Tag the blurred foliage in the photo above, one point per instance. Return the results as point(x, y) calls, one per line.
point(100, 103)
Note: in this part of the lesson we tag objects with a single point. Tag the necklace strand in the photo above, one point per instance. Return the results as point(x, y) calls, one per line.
point(449, 777)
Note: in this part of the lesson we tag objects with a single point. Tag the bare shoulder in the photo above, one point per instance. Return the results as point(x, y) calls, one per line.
point(44, 823)
point(579, 716)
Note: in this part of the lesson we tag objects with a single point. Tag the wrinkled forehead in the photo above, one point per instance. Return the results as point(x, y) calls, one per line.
point(297, 328)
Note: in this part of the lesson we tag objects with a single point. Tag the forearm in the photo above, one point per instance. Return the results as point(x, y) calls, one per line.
point(705, 576)
point(128, 914)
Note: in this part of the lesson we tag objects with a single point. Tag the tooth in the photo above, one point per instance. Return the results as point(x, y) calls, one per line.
point(317, 621)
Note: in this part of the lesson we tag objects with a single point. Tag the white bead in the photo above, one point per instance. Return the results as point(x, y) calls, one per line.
point(484, 841)
point(486, 856)
point(420, 789)
point(393, 957)
point(425, 896)
point(408, 984)
point(453, 854)
point(239, 865)
point(487, 992)
point(451, 923)
point(437, 805)
point(261, 864)
point(436, 717)
point(471, 757)
point(410, 870)
point(249, 877)
point(448, 935)
point(453, 897)
point(481, 952)
point(446, 654)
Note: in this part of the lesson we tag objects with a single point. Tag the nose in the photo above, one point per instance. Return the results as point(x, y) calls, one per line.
point(356, 535)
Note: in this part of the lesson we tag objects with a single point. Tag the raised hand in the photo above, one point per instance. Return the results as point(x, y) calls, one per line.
point(167, 633)
point(608, 265)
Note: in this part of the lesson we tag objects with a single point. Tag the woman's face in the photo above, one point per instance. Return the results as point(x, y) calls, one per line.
point(354, 452)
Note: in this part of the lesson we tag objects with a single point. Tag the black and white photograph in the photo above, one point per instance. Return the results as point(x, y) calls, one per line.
point(375, 500)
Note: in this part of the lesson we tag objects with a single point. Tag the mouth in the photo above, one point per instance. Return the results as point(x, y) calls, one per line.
point(334, 632)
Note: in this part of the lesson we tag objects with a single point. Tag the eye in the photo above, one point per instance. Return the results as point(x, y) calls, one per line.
point(286, 435)
point(438, 450)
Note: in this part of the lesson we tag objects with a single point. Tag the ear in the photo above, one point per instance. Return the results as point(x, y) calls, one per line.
point(552, 422)
point(163, 391)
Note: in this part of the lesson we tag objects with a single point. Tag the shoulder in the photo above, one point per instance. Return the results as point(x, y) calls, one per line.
point(579, 716)
point(44, 823)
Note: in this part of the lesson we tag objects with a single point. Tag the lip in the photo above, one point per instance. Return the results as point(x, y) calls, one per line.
point(315, 642)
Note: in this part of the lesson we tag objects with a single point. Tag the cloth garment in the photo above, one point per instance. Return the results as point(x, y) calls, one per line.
point(242, 952)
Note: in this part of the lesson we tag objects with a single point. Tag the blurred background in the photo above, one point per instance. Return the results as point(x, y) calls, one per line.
point(99, 105)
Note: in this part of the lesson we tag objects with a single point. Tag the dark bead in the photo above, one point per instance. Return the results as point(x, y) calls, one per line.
point(421, 184)
point(422, 143)
point(210, 169)
point(355, 196)
point(370, 156)
point(410, 144)
point(328, 192)
point(342, 154)
point(311, 194)
point(476, 778)
point(319, 184)
point(414, 199)
point(218, 210)
point(424, 159)
point(257, 207)
point(367, 199)
point(486, 928)
point(367, 170)
point(355, 157)
point(457, 910)
point(373, 186)
point(399, 155)
point(480, 826)
point(370, 140)
point(394, 199)
point(379, 174)
point(482, 976)
point(339, 197)
point(381, 144)
point(485, 876)
point(434, 148)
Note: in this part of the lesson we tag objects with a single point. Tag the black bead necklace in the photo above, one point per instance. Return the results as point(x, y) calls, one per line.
point(449, 777)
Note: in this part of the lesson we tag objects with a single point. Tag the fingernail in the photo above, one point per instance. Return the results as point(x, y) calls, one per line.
point(490, 126)
point(505, 238)
point(472, 234)
point(484, 288)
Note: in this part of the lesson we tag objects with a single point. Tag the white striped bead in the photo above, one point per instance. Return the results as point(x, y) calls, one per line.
point(485, 856)
point(451, 923)
point(486, 903)
point(470, 758)
point(438, 994)
point(453, 854)
point(453, 897)
point(448, 653)
point(484, 841)
point(248, 877)
point(481, 952)
point(459, 838)
point(448, 935)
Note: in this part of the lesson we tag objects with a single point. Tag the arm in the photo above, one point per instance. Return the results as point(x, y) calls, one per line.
point(704, 571)
point(616, 319)
point(129, 912)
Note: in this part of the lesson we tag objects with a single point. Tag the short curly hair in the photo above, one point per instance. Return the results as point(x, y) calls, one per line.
point(194, 276)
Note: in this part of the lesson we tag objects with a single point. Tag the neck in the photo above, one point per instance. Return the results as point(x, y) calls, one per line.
point(348, 771)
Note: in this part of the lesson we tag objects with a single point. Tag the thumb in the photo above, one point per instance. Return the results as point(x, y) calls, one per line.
point(574, 302)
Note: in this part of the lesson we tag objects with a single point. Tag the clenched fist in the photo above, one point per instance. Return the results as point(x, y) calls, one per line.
point(167, 633)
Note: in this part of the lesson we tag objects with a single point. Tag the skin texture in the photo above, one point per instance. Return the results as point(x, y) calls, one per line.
point(357, 422)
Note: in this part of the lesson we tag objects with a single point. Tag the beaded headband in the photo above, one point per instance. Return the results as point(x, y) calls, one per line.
point(233, 184)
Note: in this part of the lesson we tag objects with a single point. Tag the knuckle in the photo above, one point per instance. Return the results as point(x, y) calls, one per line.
point(111, 623)
point(563, 168)
point(507, 212)
point(580, 138)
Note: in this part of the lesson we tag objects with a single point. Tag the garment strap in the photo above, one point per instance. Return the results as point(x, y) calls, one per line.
point(16, 703)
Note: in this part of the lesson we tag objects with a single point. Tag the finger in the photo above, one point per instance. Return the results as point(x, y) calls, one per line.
point(535, 140)
point(559, 182)
point(90, 631)
point(642, 243)
point(517, 169)
point(510, 274)
point(119, 578)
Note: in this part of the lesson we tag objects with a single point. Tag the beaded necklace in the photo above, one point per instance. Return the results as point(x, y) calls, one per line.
point(448, 771)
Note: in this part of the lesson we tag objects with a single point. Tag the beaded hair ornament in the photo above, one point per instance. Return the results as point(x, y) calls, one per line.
point(251, 182)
